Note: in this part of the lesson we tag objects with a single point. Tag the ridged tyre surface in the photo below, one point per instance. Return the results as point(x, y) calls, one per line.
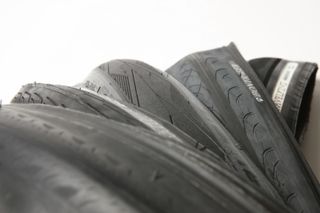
point(162, 95)
point(290, 84)
point(59, 160)
point(89, 102)
point(86, 101)
point(231, 156)
point(232, 86)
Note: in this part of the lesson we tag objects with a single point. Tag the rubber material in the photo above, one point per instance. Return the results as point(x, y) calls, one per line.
point(295, 92)
point(89, 102)
point(143, 171)
point(164, 96)
point(234, 89)
point(232, 156)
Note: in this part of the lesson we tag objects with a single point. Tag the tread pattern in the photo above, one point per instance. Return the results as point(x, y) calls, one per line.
point(275, 164)
point(162, 175)
point(124, 84)
point(197, 88)
point(162, 95)
point(68, 97)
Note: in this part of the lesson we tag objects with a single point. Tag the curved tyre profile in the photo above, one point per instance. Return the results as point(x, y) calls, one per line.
point(69, 161)
point(232, 85)
point(91, 102)
point(290, 85)
point(85, 101)
point(162, 95)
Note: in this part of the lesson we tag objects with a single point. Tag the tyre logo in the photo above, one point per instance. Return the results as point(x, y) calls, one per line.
point(247, 81)
point(280, 90)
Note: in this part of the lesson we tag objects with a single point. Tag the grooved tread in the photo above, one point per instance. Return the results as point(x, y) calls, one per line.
point(214, 71)
point(152, 173)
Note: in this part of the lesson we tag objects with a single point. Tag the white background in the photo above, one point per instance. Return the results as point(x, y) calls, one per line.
point(60, 41)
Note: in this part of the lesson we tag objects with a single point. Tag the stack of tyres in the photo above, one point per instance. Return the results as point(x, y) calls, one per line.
point(204, 136)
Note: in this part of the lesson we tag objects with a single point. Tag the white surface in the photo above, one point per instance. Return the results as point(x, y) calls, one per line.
point(311, 144)
point(60, 41)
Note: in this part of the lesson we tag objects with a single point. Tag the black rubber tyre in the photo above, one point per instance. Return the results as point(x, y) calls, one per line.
point(164, 96)
point(290, 85)
point(151, 89)
point(84, 101)
point(91, 102)
point(236, 93)
point(69, 161)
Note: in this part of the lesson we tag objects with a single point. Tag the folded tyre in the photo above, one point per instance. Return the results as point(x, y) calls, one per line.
point(85, 101)
point(89, 102)
point(162, 95)
point(237, 94)
point(290, 85)
point(69, 161)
